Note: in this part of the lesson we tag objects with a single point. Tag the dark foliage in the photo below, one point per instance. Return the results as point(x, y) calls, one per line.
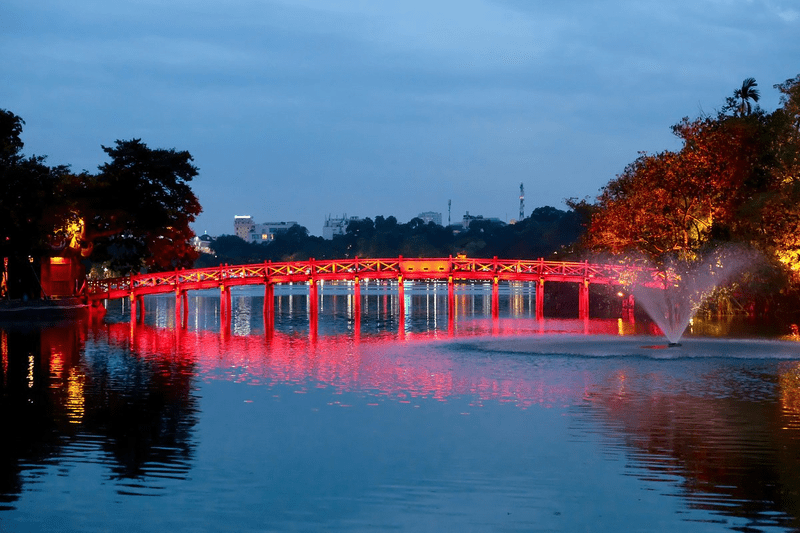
point(134, 214)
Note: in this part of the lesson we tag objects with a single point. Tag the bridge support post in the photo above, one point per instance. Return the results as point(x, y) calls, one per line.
point(132, 300)
point(628, 304)
point(142, 309)
point(583, 304)
point(401, 305)
point(181, 308)
point(269, 308)
point(224, 308)
point(540, 299)
point(451, 306)
point(357, 307)
point(185, 307)
point(313, 309)
point(495, 297)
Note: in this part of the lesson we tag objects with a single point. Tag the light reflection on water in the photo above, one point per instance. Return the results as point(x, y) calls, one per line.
point(376, 423)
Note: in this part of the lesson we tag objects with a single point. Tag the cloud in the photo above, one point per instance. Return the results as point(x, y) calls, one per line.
point(401, 105)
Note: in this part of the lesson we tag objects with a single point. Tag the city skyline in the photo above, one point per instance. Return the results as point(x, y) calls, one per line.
point(297, 110)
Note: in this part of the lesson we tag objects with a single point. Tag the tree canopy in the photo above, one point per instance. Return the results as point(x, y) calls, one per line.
point(134, 213)
point(736, 178)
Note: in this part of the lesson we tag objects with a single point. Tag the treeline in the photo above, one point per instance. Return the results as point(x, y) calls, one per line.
point(547, 231)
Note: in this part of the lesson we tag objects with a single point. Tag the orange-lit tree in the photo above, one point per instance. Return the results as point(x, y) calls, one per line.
point(736, 178)
point(771, 216)
point(673, 203)
point(715, 188)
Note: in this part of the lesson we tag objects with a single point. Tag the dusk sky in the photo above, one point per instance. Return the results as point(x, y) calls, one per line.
point(300, 109)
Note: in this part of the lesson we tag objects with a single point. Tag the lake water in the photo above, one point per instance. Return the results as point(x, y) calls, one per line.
point(380, 422)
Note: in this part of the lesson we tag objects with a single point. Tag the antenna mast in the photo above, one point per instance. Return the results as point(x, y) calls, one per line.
point(521, 202)
point(449, 202)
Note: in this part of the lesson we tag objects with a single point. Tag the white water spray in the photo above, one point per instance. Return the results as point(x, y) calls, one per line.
point(672, 300)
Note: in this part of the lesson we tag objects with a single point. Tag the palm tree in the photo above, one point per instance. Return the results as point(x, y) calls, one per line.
point(745, 94)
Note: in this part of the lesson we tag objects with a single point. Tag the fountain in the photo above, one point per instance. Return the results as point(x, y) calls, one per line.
point(673, 298)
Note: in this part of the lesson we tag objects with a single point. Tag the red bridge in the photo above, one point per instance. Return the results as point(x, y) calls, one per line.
point(452, 270)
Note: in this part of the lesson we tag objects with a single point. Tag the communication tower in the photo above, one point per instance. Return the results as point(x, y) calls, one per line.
point(449, 202)
point(521, 202)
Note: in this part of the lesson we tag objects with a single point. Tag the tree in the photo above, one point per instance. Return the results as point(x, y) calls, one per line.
point(29, 201)
point(10, 141)
point(746, 93)
point(675, 203)
point(136, 212)
point(771, 217)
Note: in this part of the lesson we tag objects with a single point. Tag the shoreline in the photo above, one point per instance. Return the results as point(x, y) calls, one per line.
point(36, 310)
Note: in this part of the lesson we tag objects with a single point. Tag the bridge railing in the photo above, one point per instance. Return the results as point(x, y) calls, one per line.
point(349, 269)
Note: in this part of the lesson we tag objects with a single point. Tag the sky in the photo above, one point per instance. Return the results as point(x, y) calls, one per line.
point(298, 110)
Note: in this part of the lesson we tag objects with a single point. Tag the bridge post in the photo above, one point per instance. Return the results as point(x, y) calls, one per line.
point(142, 309)
point(540, 299)
point(181, 307)
point(495, 297)
point(401, 307)
point(451, 303)
point(357, 307)
point(583, 304)
point(628, 304)
point(269, 309)
point(313, 308)
point(177, 300)
point(225, 306)
point(451, 293)
point(132, 301)
point(185, 304)
point(269, 302)
point(401, 295)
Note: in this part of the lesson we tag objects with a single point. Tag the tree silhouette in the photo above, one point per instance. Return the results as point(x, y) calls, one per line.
point(744, 95)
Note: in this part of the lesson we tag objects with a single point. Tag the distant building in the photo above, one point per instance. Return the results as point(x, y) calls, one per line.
point(242, 226)
point(431, 216)
point(249, 231)
point(266, 232)
point(337, 226)
point(468, 219)
point(203, 243)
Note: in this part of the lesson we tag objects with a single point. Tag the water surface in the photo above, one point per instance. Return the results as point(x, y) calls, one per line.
point(380, 422)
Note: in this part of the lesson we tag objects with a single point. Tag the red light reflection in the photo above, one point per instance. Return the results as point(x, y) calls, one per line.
point(397, 365)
